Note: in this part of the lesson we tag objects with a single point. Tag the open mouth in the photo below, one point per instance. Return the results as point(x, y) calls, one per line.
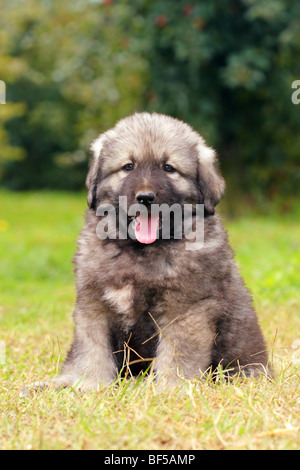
point(146, 227)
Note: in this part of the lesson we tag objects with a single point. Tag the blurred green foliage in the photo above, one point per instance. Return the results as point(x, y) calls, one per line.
point(73, 68)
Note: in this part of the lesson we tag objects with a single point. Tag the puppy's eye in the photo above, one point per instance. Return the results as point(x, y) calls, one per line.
point(128, 167)
point(168, 168)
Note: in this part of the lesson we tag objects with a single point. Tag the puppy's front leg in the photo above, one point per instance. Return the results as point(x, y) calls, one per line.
point(184, 349)
point(89, 363)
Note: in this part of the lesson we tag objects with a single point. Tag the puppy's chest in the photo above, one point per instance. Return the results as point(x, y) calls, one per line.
point(130, 302)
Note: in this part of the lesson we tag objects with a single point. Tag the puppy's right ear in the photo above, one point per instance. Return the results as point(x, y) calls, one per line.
point(94, 173)
point(211, 184)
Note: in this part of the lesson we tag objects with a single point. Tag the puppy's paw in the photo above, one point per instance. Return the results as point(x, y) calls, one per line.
point(33, 388)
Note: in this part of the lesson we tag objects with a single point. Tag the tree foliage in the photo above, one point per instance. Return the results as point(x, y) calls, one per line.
point(75, 71)
point(73, 68)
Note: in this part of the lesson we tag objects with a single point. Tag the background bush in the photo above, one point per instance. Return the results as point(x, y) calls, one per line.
point(73, 68)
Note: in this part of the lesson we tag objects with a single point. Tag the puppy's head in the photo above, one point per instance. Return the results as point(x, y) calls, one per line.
point(153, 158)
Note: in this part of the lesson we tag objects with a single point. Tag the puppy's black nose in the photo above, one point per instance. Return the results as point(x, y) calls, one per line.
point(145, 198)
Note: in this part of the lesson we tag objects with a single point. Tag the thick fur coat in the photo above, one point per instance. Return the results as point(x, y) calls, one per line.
point(183, 311)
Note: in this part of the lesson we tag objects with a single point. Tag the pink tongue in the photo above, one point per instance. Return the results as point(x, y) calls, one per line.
point(146, 228)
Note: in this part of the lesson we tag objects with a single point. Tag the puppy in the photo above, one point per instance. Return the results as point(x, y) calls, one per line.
point(149, 299)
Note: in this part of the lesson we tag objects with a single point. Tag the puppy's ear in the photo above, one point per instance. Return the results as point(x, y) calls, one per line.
point(210, 182)
point(94, 173)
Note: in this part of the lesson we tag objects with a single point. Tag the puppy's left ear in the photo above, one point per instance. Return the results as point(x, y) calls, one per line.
point(210, 182)
point(94, 173)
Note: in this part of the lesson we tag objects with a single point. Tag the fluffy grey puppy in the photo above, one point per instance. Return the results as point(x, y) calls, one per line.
point(149, 300)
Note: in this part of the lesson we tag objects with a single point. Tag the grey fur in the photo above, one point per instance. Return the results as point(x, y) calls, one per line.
point(189, 310)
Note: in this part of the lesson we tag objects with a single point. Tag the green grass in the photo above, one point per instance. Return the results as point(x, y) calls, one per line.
point(37, 242)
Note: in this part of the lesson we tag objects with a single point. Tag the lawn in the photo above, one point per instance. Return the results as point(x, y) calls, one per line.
point(37, 241)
